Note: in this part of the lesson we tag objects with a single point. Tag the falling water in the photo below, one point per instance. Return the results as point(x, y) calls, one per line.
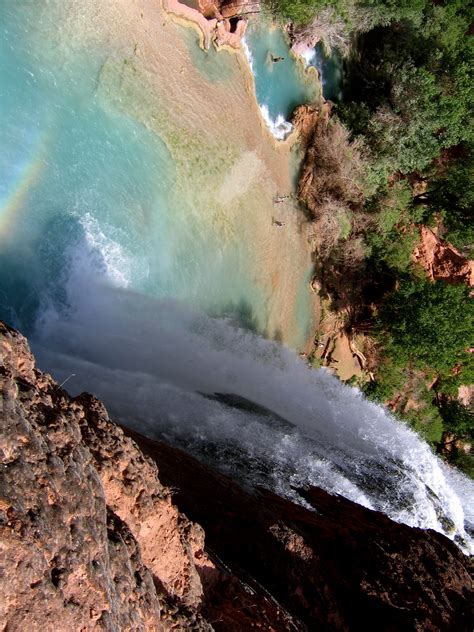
point(247, 405)
point(138, 253)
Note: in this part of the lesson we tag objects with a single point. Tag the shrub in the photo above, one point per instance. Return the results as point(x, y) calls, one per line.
point(334, 170)
point(428, 325)
point(427, 422)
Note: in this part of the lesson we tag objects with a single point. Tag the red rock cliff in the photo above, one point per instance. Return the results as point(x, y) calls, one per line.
point(92, 539)
point(441, 260)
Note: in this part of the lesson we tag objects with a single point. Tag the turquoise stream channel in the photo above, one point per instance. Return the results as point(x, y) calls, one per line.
point(280, 85)
point(87, 192)
point(281, 80)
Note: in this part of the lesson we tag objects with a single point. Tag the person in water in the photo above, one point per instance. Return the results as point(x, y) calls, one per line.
point(277, 222)
point(276, 59)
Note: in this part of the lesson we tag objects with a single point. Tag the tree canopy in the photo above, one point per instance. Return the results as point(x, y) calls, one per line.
point(429, 324)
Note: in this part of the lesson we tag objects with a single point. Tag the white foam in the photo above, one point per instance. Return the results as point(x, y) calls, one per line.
point(149, 361)
point(279, 127)
point(111, 260)
point(248, 54)
point(308, 55)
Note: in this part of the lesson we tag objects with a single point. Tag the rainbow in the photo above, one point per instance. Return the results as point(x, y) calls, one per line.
point(26, 176)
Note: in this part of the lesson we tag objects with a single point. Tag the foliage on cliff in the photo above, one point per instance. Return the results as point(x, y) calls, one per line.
point(360, 15)
point(429, 325)
point(411, 86)
point(406, 113)
point(450, 195)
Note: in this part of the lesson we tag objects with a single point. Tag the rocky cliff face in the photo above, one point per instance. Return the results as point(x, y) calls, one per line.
point(92, 538)
point(441, 260)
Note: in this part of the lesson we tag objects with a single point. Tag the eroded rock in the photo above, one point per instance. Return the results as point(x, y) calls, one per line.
point(441, 260)
point(90, 537)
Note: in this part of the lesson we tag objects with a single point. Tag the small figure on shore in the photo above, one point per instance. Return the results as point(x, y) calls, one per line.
point(280, 198)
point(276, 59)
point(277, 222)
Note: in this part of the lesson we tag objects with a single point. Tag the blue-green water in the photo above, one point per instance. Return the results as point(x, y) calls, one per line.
point(331, 72)
point(88, 194)
point(76, 183)
point(97, 240)
point(280, 86)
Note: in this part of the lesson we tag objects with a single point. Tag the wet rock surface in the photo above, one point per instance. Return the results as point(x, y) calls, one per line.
point(340, 567)
point(93, 539)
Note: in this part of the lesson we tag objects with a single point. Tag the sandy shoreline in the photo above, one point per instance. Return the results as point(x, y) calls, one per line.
point(191, 17)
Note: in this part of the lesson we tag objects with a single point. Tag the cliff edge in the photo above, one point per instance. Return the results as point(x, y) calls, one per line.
point(93, 539)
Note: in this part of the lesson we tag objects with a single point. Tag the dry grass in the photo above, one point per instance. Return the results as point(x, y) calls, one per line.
point(333, 172)
point(331, 188)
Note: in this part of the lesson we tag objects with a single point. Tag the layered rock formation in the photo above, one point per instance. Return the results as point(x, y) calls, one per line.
point(93, 539)
point(441, 260)
point(223, 23)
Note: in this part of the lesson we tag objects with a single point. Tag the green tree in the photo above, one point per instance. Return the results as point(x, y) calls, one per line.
point(412, 82)
point(458, 419)
point(450, 193)
point(300, 12)
point(429, 325)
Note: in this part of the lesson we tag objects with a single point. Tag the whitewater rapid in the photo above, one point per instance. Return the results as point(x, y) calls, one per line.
point(247, 405)
point(118, 197)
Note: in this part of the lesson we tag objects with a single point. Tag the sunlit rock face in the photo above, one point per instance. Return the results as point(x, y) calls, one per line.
point(441, 260)
point(152, 247)
point(92, 538)
point(143, 250)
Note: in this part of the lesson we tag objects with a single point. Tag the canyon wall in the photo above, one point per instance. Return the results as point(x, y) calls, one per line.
point(93, 538)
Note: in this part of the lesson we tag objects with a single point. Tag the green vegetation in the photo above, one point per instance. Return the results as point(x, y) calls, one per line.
point(398, 154)
point(358, 15)
point(298, 11)
point(450, 194)
point(458, 421)
point(414, 84)
point(428, 325)
point(425, 330)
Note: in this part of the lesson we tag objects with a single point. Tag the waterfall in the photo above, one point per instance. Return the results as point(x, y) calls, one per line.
point(133, 208)
point(247, 405)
